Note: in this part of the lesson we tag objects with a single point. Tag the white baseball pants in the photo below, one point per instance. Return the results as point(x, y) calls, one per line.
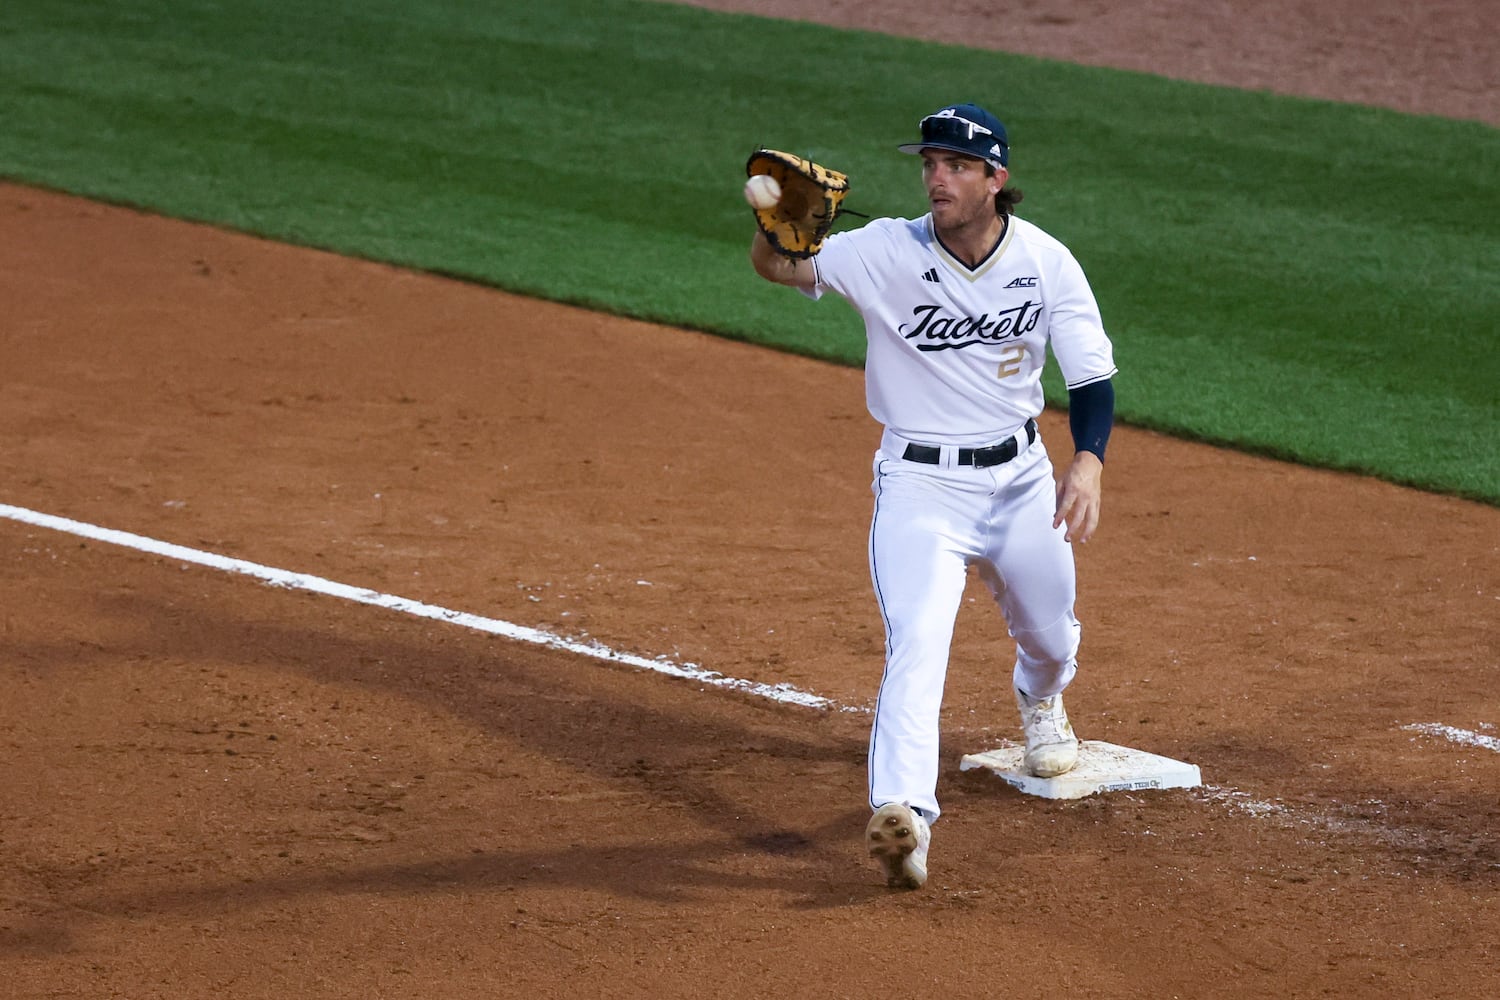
point(931, 522)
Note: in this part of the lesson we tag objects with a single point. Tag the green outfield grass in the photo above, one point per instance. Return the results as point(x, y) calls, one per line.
point(1299, 278)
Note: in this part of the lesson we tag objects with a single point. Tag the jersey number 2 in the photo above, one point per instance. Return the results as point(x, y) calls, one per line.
point(1010, 361)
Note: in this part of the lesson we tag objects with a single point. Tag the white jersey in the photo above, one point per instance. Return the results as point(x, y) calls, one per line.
point(955, 354)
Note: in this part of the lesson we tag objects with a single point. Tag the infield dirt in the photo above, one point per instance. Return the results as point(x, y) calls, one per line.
point(219, 788)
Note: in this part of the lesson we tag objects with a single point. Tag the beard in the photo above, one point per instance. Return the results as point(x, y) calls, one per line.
point(959, 215)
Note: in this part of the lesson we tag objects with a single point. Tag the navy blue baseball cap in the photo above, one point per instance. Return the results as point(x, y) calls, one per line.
point(964, 128)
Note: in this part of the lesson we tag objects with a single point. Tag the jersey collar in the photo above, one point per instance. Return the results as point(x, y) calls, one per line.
point(959, 267)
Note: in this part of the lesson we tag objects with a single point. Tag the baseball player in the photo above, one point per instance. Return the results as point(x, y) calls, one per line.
point(960, 307)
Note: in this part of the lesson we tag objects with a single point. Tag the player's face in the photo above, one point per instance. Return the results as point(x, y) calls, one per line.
point(958, 189)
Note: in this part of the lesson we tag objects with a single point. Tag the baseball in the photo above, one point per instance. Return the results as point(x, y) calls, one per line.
point(762, 191)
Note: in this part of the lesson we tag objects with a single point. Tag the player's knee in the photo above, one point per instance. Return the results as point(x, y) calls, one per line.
point(1050, 649)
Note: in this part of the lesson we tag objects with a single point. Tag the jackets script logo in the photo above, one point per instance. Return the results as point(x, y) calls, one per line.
point(933, 332)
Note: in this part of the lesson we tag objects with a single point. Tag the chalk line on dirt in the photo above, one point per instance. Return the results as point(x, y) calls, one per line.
point(1355, 819)
point(1366, 818)
point(1236, 801)
point(1455, 735)
point(290, 580)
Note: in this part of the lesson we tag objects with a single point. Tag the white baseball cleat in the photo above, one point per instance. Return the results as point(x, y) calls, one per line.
point(898, 838)
point(1051, 747)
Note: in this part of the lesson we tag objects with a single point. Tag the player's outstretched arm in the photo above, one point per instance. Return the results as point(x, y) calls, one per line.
point(798, 273)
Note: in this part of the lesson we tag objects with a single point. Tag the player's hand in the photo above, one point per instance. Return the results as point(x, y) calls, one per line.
point(1078, 495)
point(781, 269)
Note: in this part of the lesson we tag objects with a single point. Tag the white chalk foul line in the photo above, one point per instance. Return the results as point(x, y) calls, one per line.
point(521, 633)
point(1455, 735)
point(1237, 801)
point(1365, 818)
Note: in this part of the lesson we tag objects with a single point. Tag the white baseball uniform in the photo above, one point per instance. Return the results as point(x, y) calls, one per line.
point(954, 363)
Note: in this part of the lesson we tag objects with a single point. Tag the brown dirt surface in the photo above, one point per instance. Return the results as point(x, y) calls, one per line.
point(1440, 57)
point(220, 788)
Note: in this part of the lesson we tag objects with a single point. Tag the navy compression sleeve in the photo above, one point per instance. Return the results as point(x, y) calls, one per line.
point(1091, 415)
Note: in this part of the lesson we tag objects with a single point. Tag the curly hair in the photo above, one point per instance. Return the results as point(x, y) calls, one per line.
point(1008, 198)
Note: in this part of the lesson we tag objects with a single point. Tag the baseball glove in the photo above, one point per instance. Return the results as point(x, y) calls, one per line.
point(811, 195)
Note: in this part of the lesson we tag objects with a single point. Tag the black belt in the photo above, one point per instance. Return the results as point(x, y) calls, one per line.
point(980, 458)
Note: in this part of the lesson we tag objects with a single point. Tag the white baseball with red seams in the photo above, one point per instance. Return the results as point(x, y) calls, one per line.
point(762, 191)
point(954, 360)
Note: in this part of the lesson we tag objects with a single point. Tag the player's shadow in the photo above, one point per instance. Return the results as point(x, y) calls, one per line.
point(772, 827)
